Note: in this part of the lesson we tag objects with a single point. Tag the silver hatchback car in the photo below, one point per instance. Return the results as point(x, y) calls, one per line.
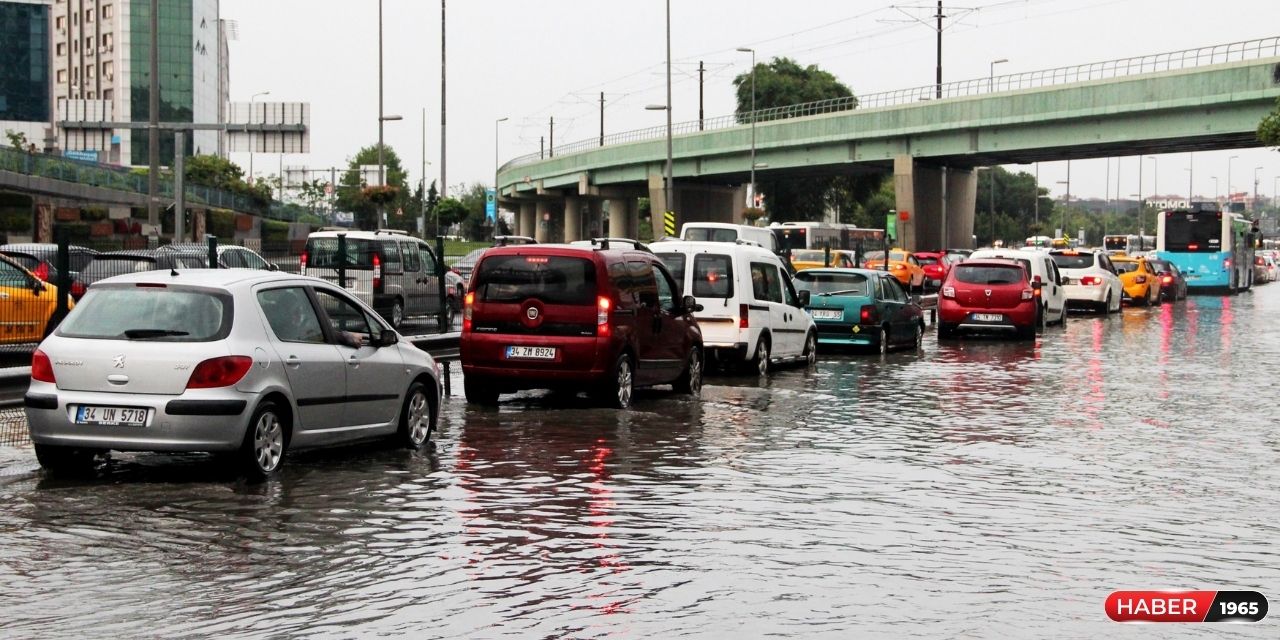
point(228, 360)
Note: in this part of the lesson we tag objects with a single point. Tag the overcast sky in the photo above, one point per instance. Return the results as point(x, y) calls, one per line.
point(531, 60)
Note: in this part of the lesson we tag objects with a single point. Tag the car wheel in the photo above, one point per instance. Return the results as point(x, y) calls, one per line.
point(397, 314)
point(690, 381)
point(65, 460)
point(919, 341)
point(479, 391)
point(620, 387)
point(450, 311)
point(811, 350)
point(262, 452)
point(884, 340)
point(417, 420)
point(761, 359)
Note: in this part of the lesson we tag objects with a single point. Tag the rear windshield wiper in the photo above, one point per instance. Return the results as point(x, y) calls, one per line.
point(138, 334)
point(843, 292)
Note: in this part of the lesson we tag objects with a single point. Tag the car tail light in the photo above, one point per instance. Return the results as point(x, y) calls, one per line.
point(1167, 279)
point(467, 303)
point(603, 304)
point(1037, 291)
point(744, 316)
point(1028, 294)
point(949, 292)
point(302, 261)
point(41, 368)
point(1140, 279)
point(77, 289)
point(377, 273)
point(869, 315)
point(219, 372)
point(899, 267)
point(1091, 281)
point(42, 272)
point(1226, 264)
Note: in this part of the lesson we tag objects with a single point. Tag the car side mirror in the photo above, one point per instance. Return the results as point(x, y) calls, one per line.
point(690, 304)
point(804, 298)
point(387, 338)
point(37, 287)
point(271, 266)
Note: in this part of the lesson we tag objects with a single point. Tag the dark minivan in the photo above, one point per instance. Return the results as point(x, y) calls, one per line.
point(605, 314)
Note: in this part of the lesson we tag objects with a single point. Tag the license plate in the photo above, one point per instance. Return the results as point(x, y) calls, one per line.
point(828, 314)
point(988, 317)
point(111, 416)
point(535, 353)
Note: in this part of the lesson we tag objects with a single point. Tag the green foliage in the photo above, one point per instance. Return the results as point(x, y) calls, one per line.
point(475, 226)
point(221, 223)
point(450, 211)
point(1269, 128)
point(351, 196)
point(17, 139)
point(275, 231)
point(1015, 208)
point(783, 82)
point(15, 220)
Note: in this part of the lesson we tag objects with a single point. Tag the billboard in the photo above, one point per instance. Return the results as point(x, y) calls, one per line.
point(282, 127)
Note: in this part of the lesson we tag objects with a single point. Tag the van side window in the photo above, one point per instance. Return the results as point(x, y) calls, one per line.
point(412, 261)
point(675, 264)
point(622, 282)
point(428, 259)
point(646, 286)
point(766, 285)
point(390, 256)
point(789, 291)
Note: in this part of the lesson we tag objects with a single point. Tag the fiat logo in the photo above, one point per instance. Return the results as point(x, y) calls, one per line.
point(531, 313)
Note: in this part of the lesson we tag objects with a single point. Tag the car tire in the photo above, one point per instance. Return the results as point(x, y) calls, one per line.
point(479, 390)
point(65, 460)
point(690, 381)
point(811, 350)
point(265, 442)
point(760, 361)
point(396, 316)
point(884, 341)
point(619, 388)
point(417, 418)
point(450, 312)
point(919, 337)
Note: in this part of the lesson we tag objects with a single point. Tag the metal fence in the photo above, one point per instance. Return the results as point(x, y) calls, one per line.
point(1124, 67)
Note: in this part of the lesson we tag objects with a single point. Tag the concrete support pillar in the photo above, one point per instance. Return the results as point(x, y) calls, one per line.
point(962, 200)
point(527, 219)
point(543, 222)
point(594, 223)
point(658, 204)
point(739, 205)
point(572, 218)
point(918, 191)
point(633, 219)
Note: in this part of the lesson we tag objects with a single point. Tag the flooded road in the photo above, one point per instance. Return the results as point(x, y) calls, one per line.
point(975, 489)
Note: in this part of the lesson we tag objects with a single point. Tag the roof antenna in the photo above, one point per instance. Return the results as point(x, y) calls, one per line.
point(173, 272)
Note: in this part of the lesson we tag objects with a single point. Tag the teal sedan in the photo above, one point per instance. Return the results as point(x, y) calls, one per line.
point(861, 308)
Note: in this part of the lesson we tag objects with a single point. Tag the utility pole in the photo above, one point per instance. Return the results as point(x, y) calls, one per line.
point(444, 180)
point(938, 29)
point(700, 84)
point(153, 130)
point(602, 118)
point(424, 172)
point(939, 16)
point(551, 148)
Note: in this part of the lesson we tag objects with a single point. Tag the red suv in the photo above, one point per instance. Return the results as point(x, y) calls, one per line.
point(988, 295)
point(604, 314)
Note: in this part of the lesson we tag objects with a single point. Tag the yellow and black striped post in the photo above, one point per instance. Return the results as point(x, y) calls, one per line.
point(669, 223)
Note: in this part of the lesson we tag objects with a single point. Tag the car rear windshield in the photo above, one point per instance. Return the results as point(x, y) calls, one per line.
point(154, 313)
point(28, 261)
point(712, 276)
point(322, 253)
point(807, 255)
point(989, 274)
point(102, 267)
point(1158, 265)
point(851, 284)
point(1193, 231)
point(926, 260)
point(551, 279)
point(1073, 260)
point(1124, 267)
point(675, 264)
point(710, 234)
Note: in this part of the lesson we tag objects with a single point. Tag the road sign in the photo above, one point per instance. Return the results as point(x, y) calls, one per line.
point(399, 212)
point(904, 215)
point(90, 156)
point(490, 205)
point(669, 223)
point(891, 226)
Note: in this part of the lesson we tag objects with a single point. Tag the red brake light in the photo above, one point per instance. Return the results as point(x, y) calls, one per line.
point(1192, 247)
point(467, 302)
point(42, 272)
point(1036, 292)
point(302, 260)
point(868, 315)
point(219, 372)
point(1091, 281)
point(77, 289)
point(377, 272)
point(1167, 279)
point(41, 368)
point(1226, 264)
point(537, 260)
point(603, 304)
point(744, 316)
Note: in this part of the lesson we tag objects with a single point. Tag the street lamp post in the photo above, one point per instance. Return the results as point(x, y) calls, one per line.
point(666, 179)
point(1255, 186)
point(751, 199)
point(1231, 189)
point(991, 77)
point(253, 138)
point(495, 166)
point(1155, 176)
point(991, 206)
point(1216, 193)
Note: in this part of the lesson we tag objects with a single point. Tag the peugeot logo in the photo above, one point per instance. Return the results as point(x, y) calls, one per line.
point(118, 361)
point(532, 313)
point(988, 292)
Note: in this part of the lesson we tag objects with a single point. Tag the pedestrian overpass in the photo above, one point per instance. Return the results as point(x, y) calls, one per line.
point(1194, 100)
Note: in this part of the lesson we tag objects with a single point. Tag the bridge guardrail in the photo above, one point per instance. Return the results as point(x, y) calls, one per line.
point(1122, 67)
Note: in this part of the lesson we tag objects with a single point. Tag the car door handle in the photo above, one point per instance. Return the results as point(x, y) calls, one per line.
point(353, 361)
point(293, 361)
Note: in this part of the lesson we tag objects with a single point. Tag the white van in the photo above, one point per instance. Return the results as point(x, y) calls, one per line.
point(751, 313)
point(724, 232)
point(1041, 268)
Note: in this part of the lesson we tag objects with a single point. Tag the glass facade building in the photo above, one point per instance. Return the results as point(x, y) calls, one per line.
point(24, 62)
point(177, 95)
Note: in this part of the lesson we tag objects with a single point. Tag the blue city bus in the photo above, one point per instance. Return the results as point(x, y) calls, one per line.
point(1213, 248)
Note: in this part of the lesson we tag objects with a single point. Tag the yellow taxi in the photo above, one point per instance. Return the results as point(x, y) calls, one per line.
point(27, 305)
point(902, 265)
point(1141, 283)
point(802, 259)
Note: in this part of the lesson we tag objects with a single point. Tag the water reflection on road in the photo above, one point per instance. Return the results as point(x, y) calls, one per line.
point(978, 488)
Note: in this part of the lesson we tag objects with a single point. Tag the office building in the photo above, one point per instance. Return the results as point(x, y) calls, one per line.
point(25, 90)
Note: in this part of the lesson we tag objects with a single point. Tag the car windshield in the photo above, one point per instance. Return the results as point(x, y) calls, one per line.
point(1123, 266)
point(710, 234)
point(989, 274)
point(1073, 260)
point(851, 284)
point(161, 313)
point(29, 262)
point(551, 279)
point(322, 253)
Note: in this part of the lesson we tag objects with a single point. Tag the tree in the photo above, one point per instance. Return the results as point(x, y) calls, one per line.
point(353, 197)
point(1014, 217)
point(783, 82)
point(1269, 128)
point(450, 211)
point(475, 226)
point(16, 138)
point(220, 173)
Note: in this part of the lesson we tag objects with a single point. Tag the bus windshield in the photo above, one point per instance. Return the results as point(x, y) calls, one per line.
point(1193, 232)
